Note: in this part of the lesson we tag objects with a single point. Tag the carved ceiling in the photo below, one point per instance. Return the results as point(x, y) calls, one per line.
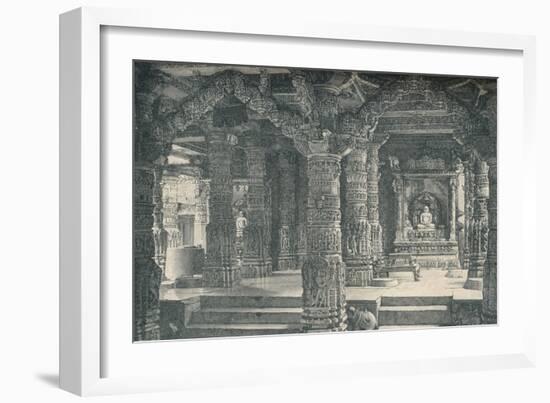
point(180, 101)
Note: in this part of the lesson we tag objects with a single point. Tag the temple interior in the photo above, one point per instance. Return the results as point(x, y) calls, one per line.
point(277, 200)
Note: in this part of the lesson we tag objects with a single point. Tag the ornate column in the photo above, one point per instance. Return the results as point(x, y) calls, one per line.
point(301, 208)
point(255, 262)
point(170, 210)
point(147, 274)
point(201, 217)
point(398, 190)
point(355, 227)
point(452, 212)
point(373, 177)
point(489, 305)
point(287, 210)
point(323, 272)
point(159, 233)
point(468, 208)
point(480, 228)
point(220, 231)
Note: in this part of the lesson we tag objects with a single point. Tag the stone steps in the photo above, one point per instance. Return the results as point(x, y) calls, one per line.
point(246, 301)
point(414, 311)
point(249, 315)
point(239, 329)
point(435, 315)
point(238, 315)
point(415, 300)
point(384, 282)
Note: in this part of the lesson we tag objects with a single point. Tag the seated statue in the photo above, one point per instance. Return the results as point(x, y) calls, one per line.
point(426, 219)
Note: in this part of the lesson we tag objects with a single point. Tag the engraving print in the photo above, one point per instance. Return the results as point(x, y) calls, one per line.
point(275, 200)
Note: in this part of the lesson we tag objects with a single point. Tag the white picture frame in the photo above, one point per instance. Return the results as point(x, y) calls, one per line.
point(85, 345)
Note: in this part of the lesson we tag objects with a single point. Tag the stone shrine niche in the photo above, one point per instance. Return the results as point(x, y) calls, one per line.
point(425, 212)
point(419, 193)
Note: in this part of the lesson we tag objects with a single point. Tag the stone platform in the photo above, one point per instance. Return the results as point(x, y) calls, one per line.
point(273, 305)
point(433, 254)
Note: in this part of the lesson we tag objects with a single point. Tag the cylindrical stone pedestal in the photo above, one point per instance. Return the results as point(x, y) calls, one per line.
point(179, 263)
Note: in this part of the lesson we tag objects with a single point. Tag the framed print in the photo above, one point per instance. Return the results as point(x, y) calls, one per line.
point(233, 196)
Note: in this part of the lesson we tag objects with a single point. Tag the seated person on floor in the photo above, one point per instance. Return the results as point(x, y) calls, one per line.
point(361, 320)
point(412, 262)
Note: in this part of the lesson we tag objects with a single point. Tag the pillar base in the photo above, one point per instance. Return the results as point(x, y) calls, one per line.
point(474, 284)
point(286, 263)
point(255, 268)
point(225, 277)
point(322, 320)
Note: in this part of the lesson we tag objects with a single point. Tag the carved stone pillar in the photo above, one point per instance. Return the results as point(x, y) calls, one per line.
point(489, 305)
point(468, 208)
point(220, 231)
point(147, 274)
point(301, 208)
point(323, 272)
point(400, 220)
point(255, 261)
point(268, 227)
point(373, 177)
point(355, 227)
point(201, 217)
point(287, 211)
point(170, 210)
point(159, 233)
point(452, 212)
point(480, 228)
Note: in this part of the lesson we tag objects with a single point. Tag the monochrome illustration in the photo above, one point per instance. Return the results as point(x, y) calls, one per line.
point(275, 200)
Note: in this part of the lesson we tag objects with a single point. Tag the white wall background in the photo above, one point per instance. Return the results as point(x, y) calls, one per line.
point(29, 201)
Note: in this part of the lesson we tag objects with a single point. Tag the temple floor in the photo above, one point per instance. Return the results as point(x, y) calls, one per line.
point(289, 284)
point(273, 305)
